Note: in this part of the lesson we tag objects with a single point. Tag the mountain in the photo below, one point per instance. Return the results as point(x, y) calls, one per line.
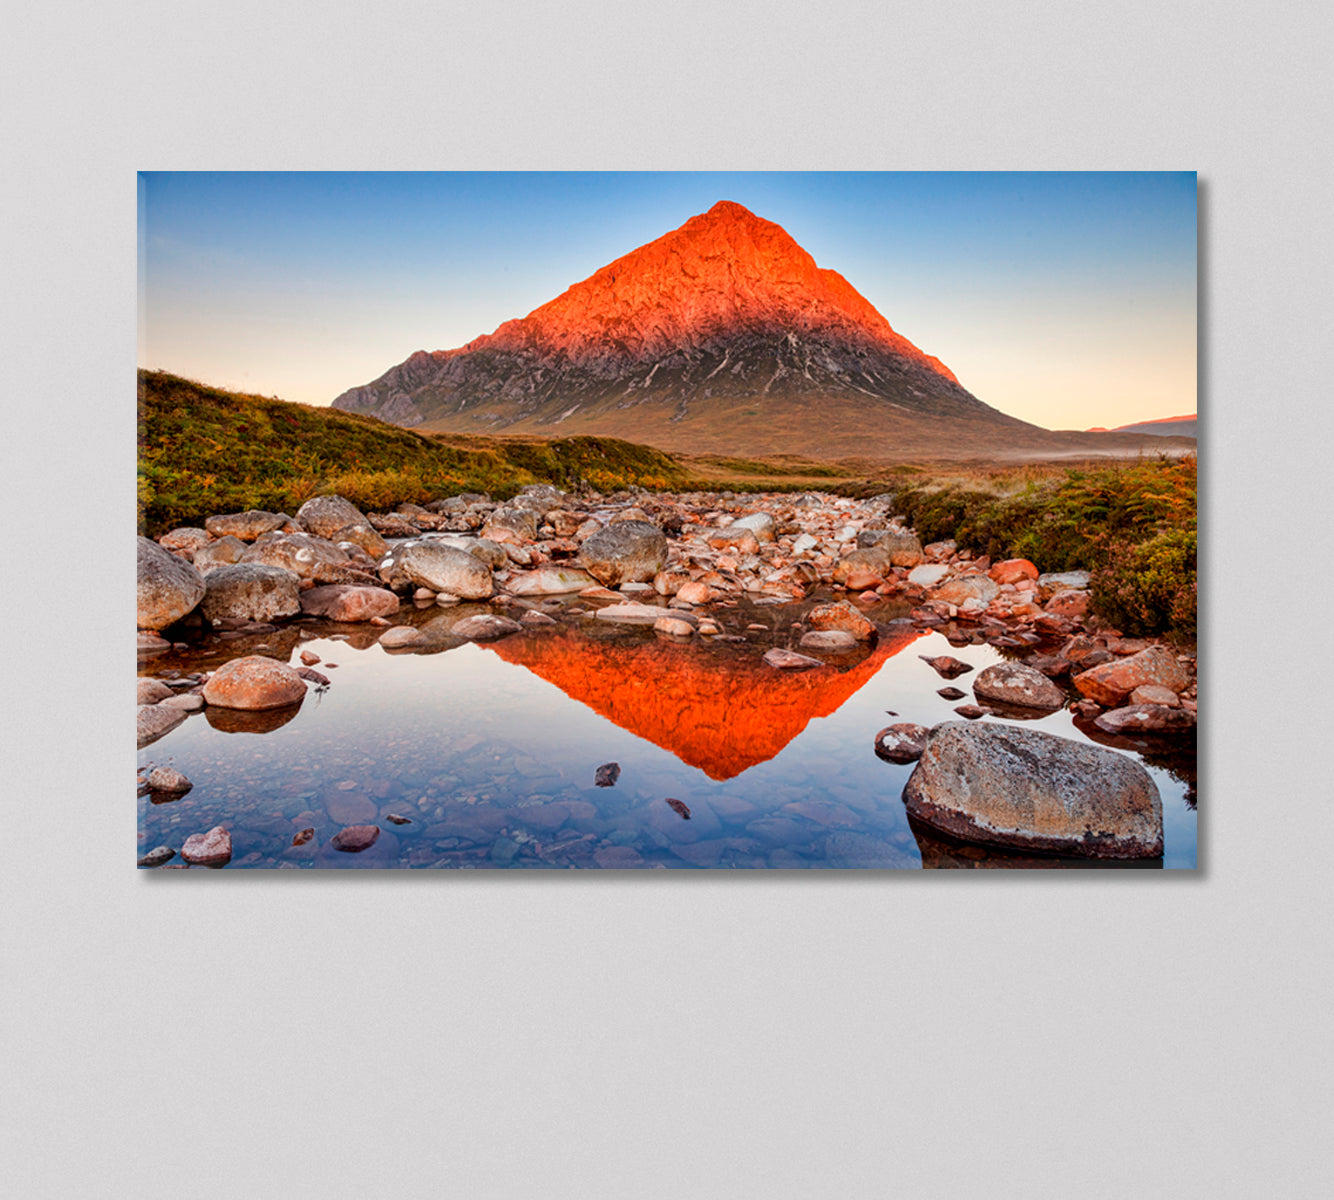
point(1162, 427)
point(723, 334)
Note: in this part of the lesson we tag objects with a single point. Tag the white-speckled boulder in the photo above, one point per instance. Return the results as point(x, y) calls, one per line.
point(324, 516)
point(625, 552)
point(761, 524)
point(185, 540)
point(308, 556)
point(250, 591)
point(432, 564)
point(221, 553)
point(1005, 786)
point(1018, 684)
point(155, 721)
point(169, 587)
point(363, 535)
point(903, 547)
point(254, 682)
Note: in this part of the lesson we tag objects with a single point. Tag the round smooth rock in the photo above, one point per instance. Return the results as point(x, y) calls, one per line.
point(208, 849)
point(625, 552)
point(828, 640)
point(153, 690)
point(155, 721)
point(443, 568)
point(254, 682)
point(250, 591)
point(325, 516)
point(348, 602)
point(485, 627)
point(355, 838)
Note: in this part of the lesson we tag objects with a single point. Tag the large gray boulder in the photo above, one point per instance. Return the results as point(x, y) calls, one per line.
point(973, 590)
point(625, 552)
point(325, 516)
point(307, 556)
point(761, 524)
point(1005, 786)
point(169, 587)
point(222, 553)
point(1018, 684)
point(511, 525)
point(155, 721)
point(250, 591)
point(431, 564)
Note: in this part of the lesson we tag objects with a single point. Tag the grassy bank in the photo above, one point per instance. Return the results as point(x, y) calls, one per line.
point(203, 450)
point(1132, 524)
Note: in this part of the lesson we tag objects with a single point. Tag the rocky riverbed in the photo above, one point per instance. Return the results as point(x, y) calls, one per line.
point(714, 626)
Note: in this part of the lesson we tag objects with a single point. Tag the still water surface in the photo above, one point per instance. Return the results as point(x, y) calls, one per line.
point(490, 751)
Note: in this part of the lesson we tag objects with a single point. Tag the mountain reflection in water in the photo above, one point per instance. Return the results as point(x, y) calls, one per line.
point(720, 712)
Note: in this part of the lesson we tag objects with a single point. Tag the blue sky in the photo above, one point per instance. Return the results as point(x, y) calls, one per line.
point(1063, 299)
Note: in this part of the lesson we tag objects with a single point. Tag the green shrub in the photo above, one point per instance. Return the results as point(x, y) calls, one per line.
point(1150, 586)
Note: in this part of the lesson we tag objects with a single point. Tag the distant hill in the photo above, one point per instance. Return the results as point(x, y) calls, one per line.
point(722, 336)
point(1162, 427)
point(203, 450)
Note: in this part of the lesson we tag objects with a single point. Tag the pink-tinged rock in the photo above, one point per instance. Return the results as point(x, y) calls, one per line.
point(1146, 718)
point(695, 592)
point(168, 779)
point(741, 541)
point(401, 635)
point(250, 591)
point(1018, 684)
point(901, 743)
point(903, 547)
point(347, 602)
point(168, 586)
point(548, 581)
point(208, 849)
point(1013, 570)
point(355, 838)
point(828, 640)
point(632, 613)
point(254, 682)
point(1069, 603)
point(946, 666)
point(673, 626)
point(928, 574)
point(185, 701)
point(1110, 683)
point(788, 660)
point(938, 552)
point(841, 615)
point(362, 535)
point(155, 721)
point(153, 690)
point(443, 568)
point(150, 644)
point(485, 627)
point(968, 589)
point(324, 516)
point(222, 553)
point(246, 525)
point(863, 568)
point(185, 539)
point(1152, 694)
point(625, 552)
point(309, 658)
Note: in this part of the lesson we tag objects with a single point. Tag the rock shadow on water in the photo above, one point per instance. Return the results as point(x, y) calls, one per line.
point(240, 720)
point(941, 852)
point(1173, 752)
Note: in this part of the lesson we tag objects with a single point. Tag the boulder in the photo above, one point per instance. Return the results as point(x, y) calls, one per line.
point(363, 535)
point(250, 591)
point(695, 592)
point(674, 626)
point(1012, 570)
point(401, 635)
point(1070, 603)
point(169, 780)
point(222, 553)
point(155, 721)
point(184, 540)
point(1110, 683)
point(902, 743)
point(1146, 718)
point(1006, 786)
point(903, 547)
point(246, 525)
point(625, 552)
point(347, 602)
point(485, 627)
point(511, 524)
point(208, 849)
point(150, 691)
point(976, 588)
point(740, 540)
point(169, 587)
point(325, 516)
point(1058, 581)
point(355, 838)
point(633, 613)
point(1147, 693)
point(305, 555)
point(945, 665)
point(938, 552)
point(254, 682)
point(841, 615)
point(1018, 684)
point(443, 568)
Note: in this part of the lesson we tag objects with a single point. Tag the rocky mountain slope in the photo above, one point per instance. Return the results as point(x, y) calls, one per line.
point(722, 334)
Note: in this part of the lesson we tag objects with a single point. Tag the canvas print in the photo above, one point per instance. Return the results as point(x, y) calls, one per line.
point(778, 521)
